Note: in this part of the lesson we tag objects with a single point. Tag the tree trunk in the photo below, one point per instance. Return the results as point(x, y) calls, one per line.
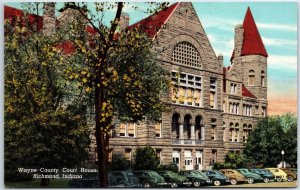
point(100, 138)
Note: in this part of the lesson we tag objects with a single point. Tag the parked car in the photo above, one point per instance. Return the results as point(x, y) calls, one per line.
point(266, 175)
point(174, 179)
point(92, 181)
point(294, 170)
point(290, 175)
point(234, 176)
point(149, 178)
point(251, 177)
point(279, 174)
point(216, 177)
point(196, 177)
point(126, 178)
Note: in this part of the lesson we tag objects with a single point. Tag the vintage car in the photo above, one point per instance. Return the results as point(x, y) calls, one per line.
point(266, 175)
point(149, 178)
point(234, 176)
point(126, 178)
point(174, 179)
point(279, 174)
point(251, 177)
point(196, 177)
point(216, 177)
point(294, 170)
point(291, 176)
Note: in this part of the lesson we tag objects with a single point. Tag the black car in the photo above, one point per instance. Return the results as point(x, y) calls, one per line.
point(126, 178)
point(196, 177)
point(216, 177)
point(266, 175)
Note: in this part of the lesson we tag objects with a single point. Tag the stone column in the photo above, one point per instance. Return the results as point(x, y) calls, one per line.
point(193, 133)
point(202, 133)
point(181, 133)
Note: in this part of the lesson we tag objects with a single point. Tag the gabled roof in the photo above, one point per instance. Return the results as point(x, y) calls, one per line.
point(152, 24)
point(252, 43)
point(12, 14)
point(246, 92)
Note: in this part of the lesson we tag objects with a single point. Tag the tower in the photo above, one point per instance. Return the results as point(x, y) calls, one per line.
point(250, 56)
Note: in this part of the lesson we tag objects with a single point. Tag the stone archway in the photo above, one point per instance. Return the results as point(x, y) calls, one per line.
point(175, 125)
point(187, 127)
point(199, 128)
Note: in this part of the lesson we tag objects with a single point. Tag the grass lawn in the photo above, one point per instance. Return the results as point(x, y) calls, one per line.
point(54, 183)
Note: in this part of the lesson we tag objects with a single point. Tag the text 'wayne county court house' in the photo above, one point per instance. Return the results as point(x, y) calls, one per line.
point(212, 108)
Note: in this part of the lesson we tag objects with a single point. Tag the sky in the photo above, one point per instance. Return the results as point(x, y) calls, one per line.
point(277, 24)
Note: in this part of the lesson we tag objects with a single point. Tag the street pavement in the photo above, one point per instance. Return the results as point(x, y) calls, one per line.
point(258, 185)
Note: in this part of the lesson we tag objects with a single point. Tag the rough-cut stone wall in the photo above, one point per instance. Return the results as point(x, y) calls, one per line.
point(184, 26)
point(49, 18)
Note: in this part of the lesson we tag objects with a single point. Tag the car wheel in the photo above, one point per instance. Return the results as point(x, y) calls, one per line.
point(266, 180)
point(290, 178)
point(233, 181)
point(217, 183)
point(250, 180)
point(196, 183)
point(146, 185)
point(174, 185)
point(279, 179)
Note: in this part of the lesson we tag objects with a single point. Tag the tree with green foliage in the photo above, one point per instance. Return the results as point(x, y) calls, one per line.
point(171, 167)
point(232, 161)
point(146, 159)
point(45, 123)
point(119, 162)
point(119, 68)
point(270, 137)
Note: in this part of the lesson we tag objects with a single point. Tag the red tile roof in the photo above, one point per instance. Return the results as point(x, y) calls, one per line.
point(247, 93)
point(12, 14)
point(152, 24)
point(252, 43)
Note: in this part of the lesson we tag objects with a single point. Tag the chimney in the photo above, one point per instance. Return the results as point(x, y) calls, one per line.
point(220, 59)
point(49, 18)
point(124, 21)
point(238, 40)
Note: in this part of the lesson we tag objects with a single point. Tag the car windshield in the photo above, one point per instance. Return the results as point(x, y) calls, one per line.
point(154, 174)
point(243, 171)
point(219, 173)
point(170, 173)
point(197, 173)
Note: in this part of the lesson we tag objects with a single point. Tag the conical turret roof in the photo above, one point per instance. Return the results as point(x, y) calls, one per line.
point(252, 43)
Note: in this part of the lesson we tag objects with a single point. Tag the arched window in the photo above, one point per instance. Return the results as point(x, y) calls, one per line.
point(251, 78)
point(186, 54)
point(262, 78)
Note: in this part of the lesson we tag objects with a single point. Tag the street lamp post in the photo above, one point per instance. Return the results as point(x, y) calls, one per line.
point(282, 154)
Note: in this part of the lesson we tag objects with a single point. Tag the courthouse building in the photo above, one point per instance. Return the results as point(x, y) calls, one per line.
point(212, 108)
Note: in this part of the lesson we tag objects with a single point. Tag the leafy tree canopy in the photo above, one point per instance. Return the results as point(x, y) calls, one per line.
point(270, 137)
point(146, 159)
point(45, 125)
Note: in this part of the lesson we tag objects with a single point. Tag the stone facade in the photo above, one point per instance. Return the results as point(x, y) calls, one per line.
point(197, 136)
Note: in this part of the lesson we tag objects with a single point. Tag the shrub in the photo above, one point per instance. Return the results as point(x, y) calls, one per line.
point(146, 159)
point(170, 167)
point(119, 162)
